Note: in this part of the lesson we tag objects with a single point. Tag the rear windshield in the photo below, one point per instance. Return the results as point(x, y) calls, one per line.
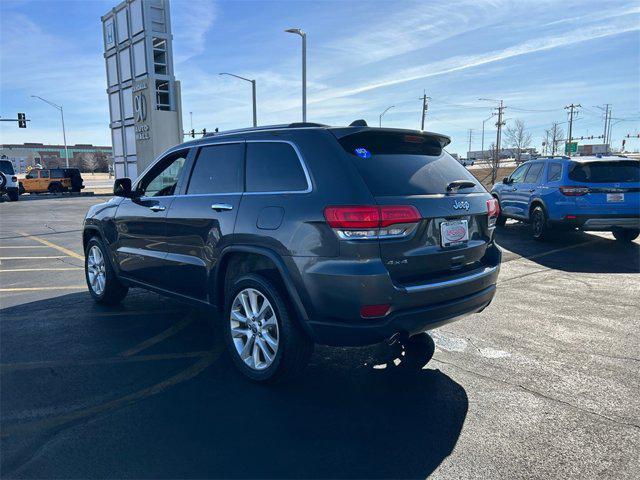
point(404, 164)
point(619, 171)
point(6, 168)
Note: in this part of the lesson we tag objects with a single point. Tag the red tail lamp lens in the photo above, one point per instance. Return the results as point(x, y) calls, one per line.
point(493, 208)
point(370, 311)
point(370, 216)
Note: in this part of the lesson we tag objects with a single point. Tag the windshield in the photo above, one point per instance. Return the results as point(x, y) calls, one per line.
point(617, 171)
point(6, 167)
point(404, 164)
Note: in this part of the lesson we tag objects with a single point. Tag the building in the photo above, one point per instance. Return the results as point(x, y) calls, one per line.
point(30, 154)
point(601, 148)
point(144, 96)
point(504, 153)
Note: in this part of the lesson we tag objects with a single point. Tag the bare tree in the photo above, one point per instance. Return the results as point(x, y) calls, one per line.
point(518, 137)
point(90, 162)
point(556, 135)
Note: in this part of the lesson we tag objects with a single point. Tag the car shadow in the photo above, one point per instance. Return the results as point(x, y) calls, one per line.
point(570, 251)
point(346, 417)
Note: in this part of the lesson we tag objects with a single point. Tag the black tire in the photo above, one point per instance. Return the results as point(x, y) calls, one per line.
point(3, 180)
point(114, 291)
point(539, 226)
point(13, 194)
point(418, 350)
point(294, 346)
point(55, 188)
point(501, 220)
point(20, 188)
point(626, 235)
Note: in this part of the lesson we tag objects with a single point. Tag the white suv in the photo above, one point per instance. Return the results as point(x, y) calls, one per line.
point(8, 180)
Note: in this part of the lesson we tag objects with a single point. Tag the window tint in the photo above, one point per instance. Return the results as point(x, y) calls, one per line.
point(518, 175)
point(619, 171)
point(555, 172)
point(44, 173)
point(162, 180)
point(274, 167)
point(218, 169)
point(57, 173)
point(404, 164)
point(32, 174)
point(533, 175)
point(6, 168)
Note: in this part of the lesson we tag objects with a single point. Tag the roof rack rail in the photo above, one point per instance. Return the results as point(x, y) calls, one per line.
point(267, 127)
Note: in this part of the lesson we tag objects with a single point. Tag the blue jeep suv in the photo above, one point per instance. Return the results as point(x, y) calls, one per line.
point(586, 193)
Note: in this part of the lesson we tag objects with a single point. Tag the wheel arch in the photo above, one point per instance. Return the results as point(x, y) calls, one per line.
point(263, 259)
point(537, 202)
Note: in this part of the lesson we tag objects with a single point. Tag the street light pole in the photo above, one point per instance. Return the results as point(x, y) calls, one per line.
point(64, 133)
point(253, 93)
point(483, 122)
point(302, 34)
point(382, 114)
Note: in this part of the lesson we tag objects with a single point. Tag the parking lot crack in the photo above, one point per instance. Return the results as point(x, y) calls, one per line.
point(542, 395)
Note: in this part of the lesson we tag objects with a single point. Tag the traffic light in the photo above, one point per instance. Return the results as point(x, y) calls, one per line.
point(22, 120)
point(204, 132)
point(193, 133)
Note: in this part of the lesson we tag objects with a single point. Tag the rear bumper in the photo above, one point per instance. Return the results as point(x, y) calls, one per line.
point(336, 290)
point(598, 222)
point(416, 320)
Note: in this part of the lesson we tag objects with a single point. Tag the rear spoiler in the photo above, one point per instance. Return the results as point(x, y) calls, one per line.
point(341, 132)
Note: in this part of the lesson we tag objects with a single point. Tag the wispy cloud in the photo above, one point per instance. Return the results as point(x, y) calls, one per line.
point(192, 20)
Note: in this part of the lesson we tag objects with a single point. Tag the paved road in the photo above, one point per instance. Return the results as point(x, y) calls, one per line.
point(543, 383)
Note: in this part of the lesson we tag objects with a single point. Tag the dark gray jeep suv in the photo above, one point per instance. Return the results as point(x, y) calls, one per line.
point(302, 234)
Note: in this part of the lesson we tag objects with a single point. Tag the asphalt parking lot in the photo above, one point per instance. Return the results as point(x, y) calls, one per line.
point(543, 383)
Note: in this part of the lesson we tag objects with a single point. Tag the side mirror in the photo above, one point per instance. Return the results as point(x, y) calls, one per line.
point(506, 181)
point(122, 187)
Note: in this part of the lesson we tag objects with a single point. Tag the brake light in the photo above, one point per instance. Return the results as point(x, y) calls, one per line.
point(574, 191)
point(493, 208)
point(370, 311)
point(368, 221)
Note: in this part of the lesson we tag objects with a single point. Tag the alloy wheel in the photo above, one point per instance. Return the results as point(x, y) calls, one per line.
point(96, 270)
point(254, 329)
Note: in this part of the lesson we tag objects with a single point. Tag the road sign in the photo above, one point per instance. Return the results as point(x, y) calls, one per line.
point(570, 147)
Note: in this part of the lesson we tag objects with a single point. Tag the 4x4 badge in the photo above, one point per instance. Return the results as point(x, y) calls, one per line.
point(460, 205)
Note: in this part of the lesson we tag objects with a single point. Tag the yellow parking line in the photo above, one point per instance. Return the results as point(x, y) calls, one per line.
point(40, 269)
point(37, 289)
point(158, 338)
point(66, 251)
point(34, 258)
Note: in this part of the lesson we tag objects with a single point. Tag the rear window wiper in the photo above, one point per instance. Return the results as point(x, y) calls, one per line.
point(457, 184)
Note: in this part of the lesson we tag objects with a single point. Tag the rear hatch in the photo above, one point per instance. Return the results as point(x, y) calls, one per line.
point(608, 186)
point(411, 168)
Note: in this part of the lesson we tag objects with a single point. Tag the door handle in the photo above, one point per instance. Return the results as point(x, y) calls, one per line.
point(219, 207)
point(157, 208)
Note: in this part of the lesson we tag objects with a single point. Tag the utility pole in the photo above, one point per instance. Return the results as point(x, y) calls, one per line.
point(425, 107)
point(499, 124)
point(607, 138)
point(470, 134)
point(572, 109)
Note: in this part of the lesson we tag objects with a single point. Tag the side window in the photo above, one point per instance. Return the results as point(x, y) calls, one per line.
point(44, 173)
point(32, 174)
point(218, 169)
point(518, 175)
point(161, 181)
point(534, 173)
point(57, 173)
point(555, 172)
point(274, 167)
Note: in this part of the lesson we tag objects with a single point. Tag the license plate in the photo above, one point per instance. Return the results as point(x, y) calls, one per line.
point(615, 197)
point(454, 232)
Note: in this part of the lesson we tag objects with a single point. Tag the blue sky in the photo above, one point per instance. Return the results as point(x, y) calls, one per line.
point(363, 56)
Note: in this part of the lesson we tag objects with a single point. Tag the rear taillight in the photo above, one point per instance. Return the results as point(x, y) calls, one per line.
point(574, 191)
point(355, 222)
point(493, 211)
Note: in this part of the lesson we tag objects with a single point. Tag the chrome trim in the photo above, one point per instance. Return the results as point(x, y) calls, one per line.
point(218, 207)
point(452, 283)
point(187, 147)
point(157, 208)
